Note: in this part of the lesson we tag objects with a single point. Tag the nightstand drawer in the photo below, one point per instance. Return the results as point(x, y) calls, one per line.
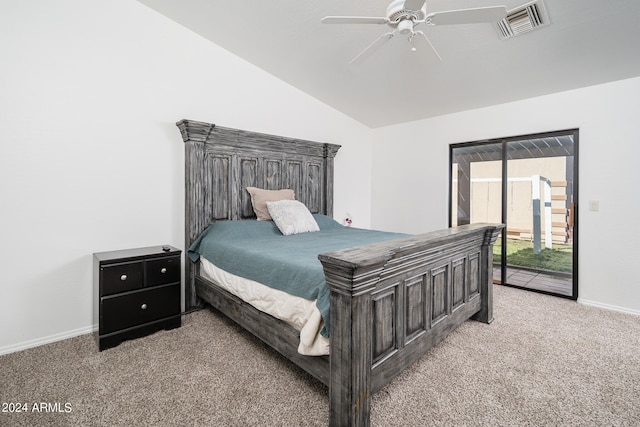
point(162, 270)
point(139, 307)
point(121, 277)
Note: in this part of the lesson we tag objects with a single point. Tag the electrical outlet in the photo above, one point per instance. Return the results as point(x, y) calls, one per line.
point(594, 205)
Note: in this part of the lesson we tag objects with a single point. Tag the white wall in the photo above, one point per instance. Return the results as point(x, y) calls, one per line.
point(91, 159)
point(415, 157)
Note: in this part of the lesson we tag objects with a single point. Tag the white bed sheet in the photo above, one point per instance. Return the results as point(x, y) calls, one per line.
point(300, 313)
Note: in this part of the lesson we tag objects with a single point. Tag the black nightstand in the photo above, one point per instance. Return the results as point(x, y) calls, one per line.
point(138, 292)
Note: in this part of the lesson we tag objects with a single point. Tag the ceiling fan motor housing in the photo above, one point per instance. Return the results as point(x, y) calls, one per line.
point(396, 13)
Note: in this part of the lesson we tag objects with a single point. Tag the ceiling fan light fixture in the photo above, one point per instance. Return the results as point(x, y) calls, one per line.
point(523, 19)
point(405, 27)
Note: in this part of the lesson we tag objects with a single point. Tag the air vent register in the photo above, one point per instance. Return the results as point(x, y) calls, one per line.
point(523, 19)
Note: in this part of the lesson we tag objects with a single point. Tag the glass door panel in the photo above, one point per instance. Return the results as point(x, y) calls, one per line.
point(539, 201)
point(476, 189)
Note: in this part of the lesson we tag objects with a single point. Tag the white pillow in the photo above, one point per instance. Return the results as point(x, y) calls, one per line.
point(292, 217)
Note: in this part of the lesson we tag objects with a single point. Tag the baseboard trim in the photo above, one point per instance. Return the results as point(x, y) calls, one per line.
point(47, 340)
point(608, 307)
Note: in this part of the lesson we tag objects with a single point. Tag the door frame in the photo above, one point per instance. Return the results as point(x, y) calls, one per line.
point(503, 142)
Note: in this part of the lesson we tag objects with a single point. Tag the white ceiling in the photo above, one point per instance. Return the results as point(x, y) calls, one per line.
point(588, 42)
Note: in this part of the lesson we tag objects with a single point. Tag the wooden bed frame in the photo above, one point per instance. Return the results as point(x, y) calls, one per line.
point(390, 302)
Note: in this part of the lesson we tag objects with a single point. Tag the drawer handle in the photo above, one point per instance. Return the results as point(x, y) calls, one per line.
point(123, 277)
point(163, 270)
point(143, 306)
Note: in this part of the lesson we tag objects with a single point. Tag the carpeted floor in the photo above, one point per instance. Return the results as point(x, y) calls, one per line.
point(543, 361)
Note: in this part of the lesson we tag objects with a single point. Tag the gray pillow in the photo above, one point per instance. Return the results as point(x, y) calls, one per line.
point(292, 217)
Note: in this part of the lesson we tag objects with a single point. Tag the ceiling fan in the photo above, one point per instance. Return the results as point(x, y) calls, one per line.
point(403, 16)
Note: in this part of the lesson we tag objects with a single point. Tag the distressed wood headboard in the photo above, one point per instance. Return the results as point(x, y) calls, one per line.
point(220, 163)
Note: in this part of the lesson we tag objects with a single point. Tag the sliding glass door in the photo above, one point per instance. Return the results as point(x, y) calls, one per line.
point(528, 183)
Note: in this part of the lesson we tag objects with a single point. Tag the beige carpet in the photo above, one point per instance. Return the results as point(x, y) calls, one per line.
point(543, 361)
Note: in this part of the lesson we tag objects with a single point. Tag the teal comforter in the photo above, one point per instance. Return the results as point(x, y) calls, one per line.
point(256, 250)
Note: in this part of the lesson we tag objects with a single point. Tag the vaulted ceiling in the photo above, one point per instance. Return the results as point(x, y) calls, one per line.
point(588, 42)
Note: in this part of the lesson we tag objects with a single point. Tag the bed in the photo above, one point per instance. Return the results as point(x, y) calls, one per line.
point(389, 301)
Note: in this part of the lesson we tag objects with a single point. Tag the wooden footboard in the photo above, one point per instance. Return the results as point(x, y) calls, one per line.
point(393, 301)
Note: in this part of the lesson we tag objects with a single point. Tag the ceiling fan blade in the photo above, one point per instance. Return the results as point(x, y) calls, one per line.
point(353, 20)
point(467, 16)
point(362, 56)
point(413, 4)
point(419, 43)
